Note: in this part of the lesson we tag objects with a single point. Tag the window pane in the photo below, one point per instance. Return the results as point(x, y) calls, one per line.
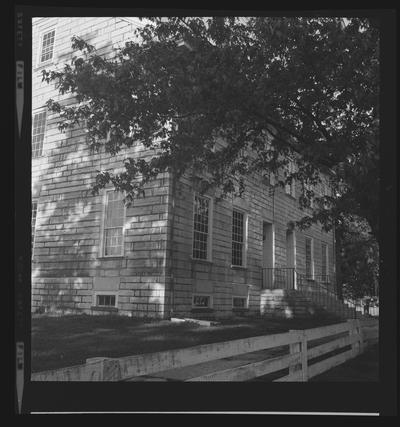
point(113, 223)
point(324, 248)
point(200, 227)
point(115, 209)
point(237, 237)
point(33, 223)
point(38, 128)
point(308, 258)
point(201, 301)
point(106, 300)
point(113, 243)
point(239, 302)
point(47, 46)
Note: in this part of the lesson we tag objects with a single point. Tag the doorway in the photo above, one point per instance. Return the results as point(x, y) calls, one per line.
point(268, 255)
point(291, 258)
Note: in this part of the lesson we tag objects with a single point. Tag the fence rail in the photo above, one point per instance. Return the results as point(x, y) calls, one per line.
point(302, 345)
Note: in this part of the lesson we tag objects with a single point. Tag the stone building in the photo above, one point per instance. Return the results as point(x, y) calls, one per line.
point(173, 252)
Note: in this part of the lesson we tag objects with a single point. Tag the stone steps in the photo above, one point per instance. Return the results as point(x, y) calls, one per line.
point(296, 303)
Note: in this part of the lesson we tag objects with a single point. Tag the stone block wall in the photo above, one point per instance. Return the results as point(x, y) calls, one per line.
point(156, 276)
point(217, 277)
point(68, 269)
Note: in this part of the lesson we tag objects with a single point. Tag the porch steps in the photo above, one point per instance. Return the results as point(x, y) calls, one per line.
point(300, 303)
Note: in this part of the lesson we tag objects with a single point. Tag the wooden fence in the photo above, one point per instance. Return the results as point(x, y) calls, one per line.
point(334, 344)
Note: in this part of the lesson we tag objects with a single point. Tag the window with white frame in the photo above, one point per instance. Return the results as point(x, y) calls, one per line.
point(324, 262)
point(239, 302)
point(201, 228)
point(202, 301)
point(308, 187)
point(33, 221)
point(269, 178)
point(113, 229)
point(290, 188)
point(238, 238)
point(38, 130)
point(325, 191)
point(106, 300)
point(309, 258)
point(47, 47)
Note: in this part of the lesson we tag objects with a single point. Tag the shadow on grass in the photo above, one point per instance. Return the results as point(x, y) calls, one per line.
point(364, 368)
point(69, 340)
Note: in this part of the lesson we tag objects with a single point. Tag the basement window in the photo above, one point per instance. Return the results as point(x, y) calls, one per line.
point(201, 301)
point(105, 300)
point(239, 302)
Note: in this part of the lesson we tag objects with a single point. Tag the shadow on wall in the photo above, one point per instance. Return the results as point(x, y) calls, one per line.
point(66, 256)
point(67, 234)
point(66, 223)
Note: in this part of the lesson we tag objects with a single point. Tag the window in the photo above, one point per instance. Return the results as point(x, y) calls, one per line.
point(38, 128)
point(47, 46)
point(309, 258)
point(238, 238)
point(201, 301)
point(290, 188)
point(113, 224)
point(239, 302)
point(325, 192)
point(105, 300)
point(201, 228)
point(324, 262)
point(33, 221)
point(309, 187)
point(269, 178)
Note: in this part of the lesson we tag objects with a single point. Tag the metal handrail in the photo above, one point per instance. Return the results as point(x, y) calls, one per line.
point(279, 278)
point(289, 278)
point(316, 284)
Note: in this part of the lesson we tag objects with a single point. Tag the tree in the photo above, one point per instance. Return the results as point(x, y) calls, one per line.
point(359, 260)
point(306, 87)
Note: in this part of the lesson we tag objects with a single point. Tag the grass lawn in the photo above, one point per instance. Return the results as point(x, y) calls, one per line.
point(362, 368)
point(69, 340)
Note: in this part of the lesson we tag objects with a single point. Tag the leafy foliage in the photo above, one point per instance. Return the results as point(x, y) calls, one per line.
point(359, 260)
point(265, 88)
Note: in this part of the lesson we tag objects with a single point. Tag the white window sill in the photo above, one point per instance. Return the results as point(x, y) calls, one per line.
point(111, 256)
point(238, 267)
point(206, 261)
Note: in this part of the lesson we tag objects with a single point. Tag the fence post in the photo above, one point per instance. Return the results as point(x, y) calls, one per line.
point(304, 356)
point(360, 336)
point(354, 330)
point(294, 348)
